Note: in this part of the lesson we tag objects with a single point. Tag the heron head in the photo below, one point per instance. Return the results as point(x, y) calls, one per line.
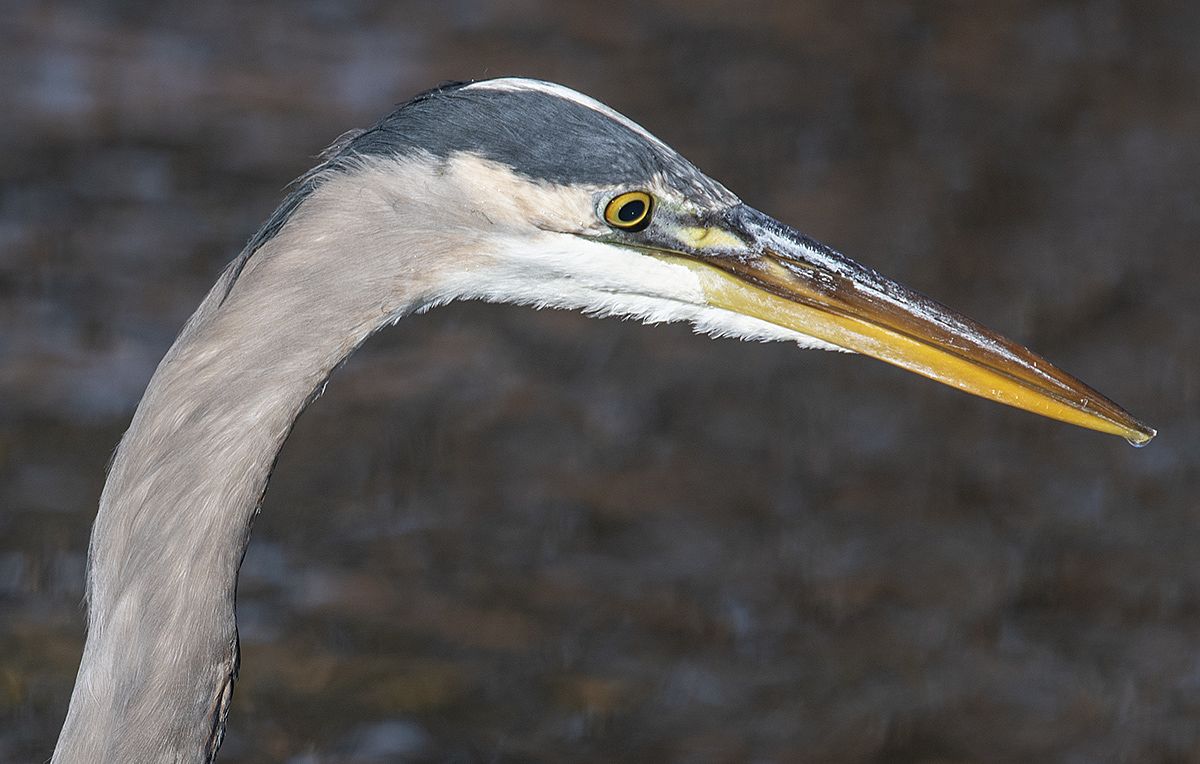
point(572, 205)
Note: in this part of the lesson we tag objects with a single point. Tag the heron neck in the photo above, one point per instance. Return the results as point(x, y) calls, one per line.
point(190, 473)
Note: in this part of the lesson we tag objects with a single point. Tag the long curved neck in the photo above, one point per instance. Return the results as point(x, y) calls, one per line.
point(188, 477)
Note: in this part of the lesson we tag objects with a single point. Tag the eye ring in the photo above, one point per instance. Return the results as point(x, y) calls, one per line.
point(629, 211)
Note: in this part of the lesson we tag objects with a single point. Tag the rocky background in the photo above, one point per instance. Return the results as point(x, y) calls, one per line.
point(505, 535)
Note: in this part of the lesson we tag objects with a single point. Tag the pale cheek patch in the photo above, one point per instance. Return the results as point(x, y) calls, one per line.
point(558, 271)
point(515, 202)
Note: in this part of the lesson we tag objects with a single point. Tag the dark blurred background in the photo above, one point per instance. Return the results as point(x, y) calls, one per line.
point(506, 535)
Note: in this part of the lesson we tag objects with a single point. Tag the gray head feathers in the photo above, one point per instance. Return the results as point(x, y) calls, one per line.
point(544, 132)
point(536, 130)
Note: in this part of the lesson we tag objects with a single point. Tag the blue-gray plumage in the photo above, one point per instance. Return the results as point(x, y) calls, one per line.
point(543, 139)
point(504, 190)
point(538, 136)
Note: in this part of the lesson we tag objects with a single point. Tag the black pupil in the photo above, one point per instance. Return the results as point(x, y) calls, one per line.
point(631, 210)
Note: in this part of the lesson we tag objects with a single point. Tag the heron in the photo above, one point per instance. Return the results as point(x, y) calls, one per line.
point(503, 190)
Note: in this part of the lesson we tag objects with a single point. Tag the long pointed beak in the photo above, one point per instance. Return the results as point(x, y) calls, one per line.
point(786, 278)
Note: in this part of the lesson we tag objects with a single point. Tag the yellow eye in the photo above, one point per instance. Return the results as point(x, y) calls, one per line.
point(630, 211)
